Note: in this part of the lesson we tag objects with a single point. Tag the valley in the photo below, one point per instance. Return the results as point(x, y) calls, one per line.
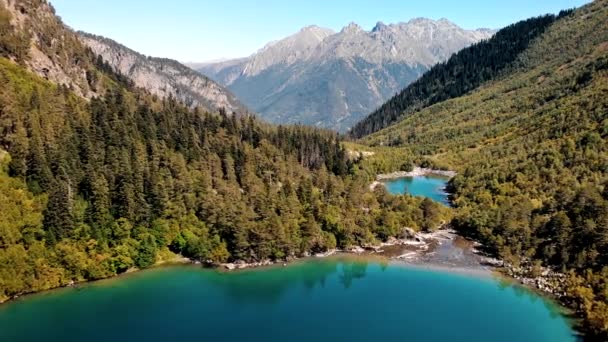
point(415, 181)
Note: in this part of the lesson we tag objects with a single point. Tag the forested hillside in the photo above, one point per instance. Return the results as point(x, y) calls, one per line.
point(92, 187)
point(464, 71)
point(531, 149)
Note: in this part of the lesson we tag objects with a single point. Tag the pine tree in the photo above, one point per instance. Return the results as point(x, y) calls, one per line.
point(19, 152)
point(58, 216)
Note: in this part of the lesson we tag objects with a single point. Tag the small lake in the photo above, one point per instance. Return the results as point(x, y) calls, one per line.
point(430, 186)
point(331, 299)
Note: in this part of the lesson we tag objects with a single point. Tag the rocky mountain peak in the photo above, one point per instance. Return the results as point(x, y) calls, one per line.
point(352, 28)
point(288, 50)
point(380, 26)
point(446, 21)
point(419, 21)
point(312, 28)
point(328, 79)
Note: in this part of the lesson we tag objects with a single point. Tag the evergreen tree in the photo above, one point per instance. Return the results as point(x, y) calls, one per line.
point(58, 216)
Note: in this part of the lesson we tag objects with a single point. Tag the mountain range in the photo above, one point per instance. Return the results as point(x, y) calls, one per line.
point(333, 79)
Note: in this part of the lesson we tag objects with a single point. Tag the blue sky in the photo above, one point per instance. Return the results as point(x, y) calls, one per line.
point(201, 30)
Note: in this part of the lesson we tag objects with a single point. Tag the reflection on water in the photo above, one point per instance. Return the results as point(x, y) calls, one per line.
point(352, 271)
point(334, 299)
point(430, 186)
point(253, 286)
point(505, 284)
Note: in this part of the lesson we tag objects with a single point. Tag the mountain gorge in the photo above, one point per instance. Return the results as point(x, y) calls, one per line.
point(332, 79)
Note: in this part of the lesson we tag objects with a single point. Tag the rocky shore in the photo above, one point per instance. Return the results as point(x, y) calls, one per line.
point(539, 278)
point(412, 239)
point(441, 249)
point(445, 250)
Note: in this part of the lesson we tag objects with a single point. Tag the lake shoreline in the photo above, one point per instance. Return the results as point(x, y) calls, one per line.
point(162, 294)
point(546, 285)
point(419, 241)
point(422, 242)
point(416, 172)
point(546, 282)
point(179, 260)
point(416, 245)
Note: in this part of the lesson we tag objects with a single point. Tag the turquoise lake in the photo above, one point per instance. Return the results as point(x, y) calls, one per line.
point(429, 186)
point(333, 299)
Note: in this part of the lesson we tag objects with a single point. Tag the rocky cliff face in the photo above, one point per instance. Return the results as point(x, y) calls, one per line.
point(164, 77)
point(333, 79)
point(288, 51)
point(54, 51)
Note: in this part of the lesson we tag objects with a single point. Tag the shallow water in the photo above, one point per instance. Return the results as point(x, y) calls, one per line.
point(333, 299)
point(430, 186)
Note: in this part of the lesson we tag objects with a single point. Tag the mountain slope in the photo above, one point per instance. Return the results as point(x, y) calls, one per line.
point(531, 148)
point(164, 77)
point(29, 32)
point(331, 80)
point(93, 186)
point(463, 72)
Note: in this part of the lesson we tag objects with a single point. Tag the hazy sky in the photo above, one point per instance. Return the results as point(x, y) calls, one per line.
point(201, 30)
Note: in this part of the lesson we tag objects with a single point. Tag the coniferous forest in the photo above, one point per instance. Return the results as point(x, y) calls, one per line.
point(114, 183)
point(93, 188)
